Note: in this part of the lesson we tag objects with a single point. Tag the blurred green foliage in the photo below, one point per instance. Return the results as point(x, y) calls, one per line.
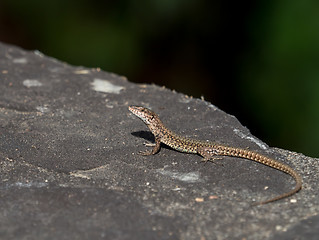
point(281, 74)
point(256, 60)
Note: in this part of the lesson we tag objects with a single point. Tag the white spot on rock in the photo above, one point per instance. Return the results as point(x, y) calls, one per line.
point(20, 60)
point(43, 109)
point(38, 53)
point(27, 185)
point(253, 139)
point(82, 71)
point(32, 83)
point(191, 177)
point(105, 86)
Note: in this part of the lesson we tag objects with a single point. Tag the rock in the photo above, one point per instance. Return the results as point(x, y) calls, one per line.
point(70, 168)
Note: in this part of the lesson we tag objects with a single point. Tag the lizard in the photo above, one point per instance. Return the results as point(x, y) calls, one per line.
point(208, 150)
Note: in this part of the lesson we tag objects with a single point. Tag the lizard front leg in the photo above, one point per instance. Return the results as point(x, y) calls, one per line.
point(155, 150)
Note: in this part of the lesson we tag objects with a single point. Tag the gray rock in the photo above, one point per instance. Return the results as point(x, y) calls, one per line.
point(70, 168)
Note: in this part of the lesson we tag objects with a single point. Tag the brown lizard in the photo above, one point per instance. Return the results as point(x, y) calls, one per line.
point(208, 150)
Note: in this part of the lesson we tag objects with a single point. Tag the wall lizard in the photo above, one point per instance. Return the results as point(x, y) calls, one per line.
point(208, 150)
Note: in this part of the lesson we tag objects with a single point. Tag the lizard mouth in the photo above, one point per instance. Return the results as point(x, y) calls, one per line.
point(135, 110)
point(139, 112)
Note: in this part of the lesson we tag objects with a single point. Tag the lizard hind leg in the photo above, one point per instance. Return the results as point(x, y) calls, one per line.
point(208, 154)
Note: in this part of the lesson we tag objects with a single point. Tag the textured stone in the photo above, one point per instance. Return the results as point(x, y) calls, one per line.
point(69, 167)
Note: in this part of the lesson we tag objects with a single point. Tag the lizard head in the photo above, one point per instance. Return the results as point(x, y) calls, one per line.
point(146, 115)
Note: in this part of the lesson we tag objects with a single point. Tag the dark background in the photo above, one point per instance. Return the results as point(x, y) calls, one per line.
point(257, 60)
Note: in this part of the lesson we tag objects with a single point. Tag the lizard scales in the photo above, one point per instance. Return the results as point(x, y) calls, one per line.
point(208, 150)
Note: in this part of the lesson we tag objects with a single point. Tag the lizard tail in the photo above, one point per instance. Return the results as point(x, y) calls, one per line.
point(243, 153)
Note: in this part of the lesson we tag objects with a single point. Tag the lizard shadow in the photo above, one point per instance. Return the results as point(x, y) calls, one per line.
point(148, 136)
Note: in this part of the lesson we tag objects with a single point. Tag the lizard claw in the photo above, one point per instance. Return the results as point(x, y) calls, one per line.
point(148, 144)
point(145, 153)
point(205, 160)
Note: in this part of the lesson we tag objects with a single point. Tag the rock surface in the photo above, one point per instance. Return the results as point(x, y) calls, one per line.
point(69, 167)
